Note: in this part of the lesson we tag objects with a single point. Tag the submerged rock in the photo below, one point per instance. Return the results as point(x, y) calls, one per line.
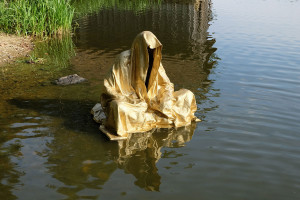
point(98, 113)
point(70, 79)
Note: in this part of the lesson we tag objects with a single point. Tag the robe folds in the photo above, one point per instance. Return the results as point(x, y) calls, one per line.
point(138, 95)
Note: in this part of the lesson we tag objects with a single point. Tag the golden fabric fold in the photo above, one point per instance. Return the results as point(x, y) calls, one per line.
point(138, 100)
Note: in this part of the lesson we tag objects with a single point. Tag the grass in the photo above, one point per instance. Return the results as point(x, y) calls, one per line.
point(35, 17)
point(54, 17)
point(47, 18)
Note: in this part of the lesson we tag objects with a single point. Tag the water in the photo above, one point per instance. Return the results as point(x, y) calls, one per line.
point(240, 58)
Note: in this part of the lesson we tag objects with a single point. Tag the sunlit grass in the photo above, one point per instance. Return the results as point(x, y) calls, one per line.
point(52, 17)
point(45, 18)
point(35, 17)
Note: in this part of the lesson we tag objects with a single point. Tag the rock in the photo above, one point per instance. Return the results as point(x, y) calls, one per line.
point(70, 79)
point(98, 113)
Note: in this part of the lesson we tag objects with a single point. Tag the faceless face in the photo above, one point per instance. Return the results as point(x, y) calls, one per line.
point(150, 54)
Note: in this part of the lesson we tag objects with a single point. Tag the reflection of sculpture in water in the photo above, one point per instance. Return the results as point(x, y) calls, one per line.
point(138, 94)
point(140, 152)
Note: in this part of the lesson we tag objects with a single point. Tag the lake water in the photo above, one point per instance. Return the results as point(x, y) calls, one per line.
point(240, 58)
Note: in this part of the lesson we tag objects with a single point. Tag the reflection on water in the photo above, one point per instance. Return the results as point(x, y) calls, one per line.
point(49, 144)
point(80, 162)
point(246, 147)
point(187, 45)
point(114, 29)
point(56, 51)
point(139, 154)
point(9, 176)
point(85, 7)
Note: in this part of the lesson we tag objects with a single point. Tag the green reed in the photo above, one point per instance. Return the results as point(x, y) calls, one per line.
point(52, 17)
point(45, 18)
point(35, 17)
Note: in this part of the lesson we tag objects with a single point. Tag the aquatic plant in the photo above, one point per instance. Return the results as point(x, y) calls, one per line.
point(34, 17)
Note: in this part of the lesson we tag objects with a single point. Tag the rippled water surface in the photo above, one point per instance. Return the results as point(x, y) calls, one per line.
point(240, 58)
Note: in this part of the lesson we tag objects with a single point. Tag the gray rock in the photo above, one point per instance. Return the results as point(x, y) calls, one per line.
point(98, 113)
point(70, 79)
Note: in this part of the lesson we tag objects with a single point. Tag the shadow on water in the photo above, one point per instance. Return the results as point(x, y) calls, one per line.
point(84, 161)
point(75, 114)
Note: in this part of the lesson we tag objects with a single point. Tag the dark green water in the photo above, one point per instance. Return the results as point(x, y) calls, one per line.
point(240, 58)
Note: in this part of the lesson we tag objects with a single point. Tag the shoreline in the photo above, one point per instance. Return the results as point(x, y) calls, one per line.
point(13, 47)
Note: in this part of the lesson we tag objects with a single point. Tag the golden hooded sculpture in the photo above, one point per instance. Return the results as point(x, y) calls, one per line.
point(138, 94)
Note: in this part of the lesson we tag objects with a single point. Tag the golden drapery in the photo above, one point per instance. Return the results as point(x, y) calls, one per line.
point(138, 94)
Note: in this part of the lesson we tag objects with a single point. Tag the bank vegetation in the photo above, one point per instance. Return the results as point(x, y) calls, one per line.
point(55, 17)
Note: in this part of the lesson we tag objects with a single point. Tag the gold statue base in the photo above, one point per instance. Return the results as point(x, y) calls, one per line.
point(110, 135)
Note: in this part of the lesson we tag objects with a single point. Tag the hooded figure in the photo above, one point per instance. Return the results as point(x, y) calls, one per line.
point(138, 94)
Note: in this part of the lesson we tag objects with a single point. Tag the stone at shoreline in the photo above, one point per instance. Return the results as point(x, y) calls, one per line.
point(69, 80)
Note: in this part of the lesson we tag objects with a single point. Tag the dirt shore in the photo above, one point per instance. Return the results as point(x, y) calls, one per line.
point(13, 47)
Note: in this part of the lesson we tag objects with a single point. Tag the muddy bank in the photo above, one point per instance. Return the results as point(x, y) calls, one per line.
point(13, 47)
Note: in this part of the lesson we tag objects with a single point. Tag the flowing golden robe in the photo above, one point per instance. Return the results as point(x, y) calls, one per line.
point(136, 100)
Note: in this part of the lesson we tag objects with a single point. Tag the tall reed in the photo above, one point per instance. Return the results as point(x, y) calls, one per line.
point(35, 17)
point(51, 17)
